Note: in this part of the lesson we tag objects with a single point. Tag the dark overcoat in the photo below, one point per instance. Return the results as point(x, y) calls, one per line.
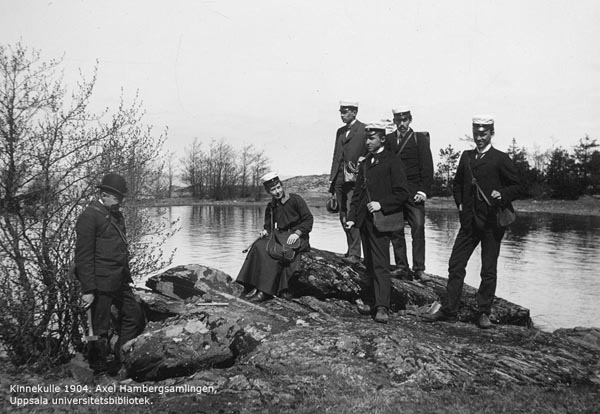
point(416, 159)
point(495, 171)
point(348, 148)
point(386, 183)
point(101, 255)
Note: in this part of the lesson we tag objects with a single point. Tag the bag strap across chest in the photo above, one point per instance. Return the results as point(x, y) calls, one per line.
point(111, 222)
point(476, 184)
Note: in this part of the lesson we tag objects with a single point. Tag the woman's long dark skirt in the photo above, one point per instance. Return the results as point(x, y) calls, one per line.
point(265, 273)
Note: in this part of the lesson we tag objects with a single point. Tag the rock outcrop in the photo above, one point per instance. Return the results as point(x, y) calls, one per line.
point(282, 350)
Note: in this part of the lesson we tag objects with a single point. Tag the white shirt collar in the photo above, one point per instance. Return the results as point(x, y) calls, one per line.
point(486, 149)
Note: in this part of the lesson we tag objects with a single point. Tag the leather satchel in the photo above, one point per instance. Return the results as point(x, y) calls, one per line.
point(384, 223)
point(505, 216)
point(350, 172)
point(279, 249)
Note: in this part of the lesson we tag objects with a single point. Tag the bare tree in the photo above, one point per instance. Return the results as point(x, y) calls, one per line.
point(260, 164)
point(53, 153)
point(170, 173)
point(245, 165)
point(193, 168)
point(222, 169)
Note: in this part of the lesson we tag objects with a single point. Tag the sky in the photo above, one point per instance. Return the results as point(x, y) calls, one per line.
point(271, 73)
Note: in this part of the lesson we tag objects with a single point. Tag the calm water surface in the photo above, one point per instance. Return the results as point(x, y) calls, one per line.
point(548, 263)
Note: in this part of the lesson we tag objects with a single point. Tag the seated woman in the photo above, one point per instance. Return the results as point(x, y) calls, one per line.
point(381, 186)
point(262, 276)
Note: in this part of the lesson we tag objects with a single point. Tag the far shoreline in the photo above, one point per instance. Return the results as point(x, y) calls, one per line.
point(584, 206)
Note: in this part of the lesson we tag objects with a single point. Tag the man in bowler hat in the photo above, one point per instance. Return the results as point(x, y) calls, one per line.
point(102, 267)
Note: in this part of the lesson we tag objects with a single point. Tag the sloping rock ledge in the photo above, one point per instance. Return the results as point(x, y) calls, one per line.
point(280, 350)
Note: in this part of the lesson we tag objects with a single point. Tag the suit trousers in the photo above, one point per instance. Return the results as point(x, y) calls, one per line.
point(131, 320)
point(469, 236)
point(376, 247)
point(343, 193)
point(414, 214)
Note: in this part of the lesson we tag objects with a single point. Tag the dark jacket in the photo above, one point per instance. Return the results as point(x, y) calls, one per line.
point(101, 255)
point(293, 215)
point(348, 148)
point(386, 183)
point(416, 158)
point(495, 171)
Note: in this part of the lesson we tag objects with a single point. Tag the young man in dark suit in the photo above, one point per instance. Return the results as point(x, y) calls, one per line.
point(381, 186)
point(349, 146)
point(495, 174)
point(413, 150)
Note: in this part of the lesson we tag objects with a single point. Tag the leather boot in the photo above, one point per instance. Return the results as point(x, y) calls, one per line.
point(382, 315)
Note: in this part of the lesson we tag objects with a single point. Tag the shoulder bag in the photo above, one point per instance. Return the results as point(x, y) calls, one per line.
point(277, 246)
point(385, 223)
point(505, 215)
point(350, 172)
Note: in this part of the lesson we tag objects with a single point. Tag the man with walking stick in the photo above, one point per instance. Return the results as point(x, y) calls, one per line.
point(102, 267)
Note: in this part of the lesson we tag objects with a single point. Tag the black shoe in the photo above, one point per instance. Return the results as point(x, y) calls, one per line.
point(382, 315)
point(99, 370)
point(420, 276)
point(351, 260)
point(286, 295)
point(363, 308)
point(248, 293)
point(260, 297)
point(484, 321)
point(400, 273)
point(439, 316)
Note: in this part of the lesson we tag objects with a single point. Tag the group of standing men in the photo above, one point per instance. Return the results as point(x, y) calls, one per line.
point(413, 151)
point(486, 179)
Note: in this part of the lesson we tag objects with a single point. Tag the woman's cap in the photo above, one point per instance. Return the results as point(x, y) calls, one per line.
point(270, 179)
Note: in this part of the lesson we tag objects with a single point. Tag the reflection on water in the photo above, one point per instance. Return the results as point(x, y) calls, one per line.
point(548, 263)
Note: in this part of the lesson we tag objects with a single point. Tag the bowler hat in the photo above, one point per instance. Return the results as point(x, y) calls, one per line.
point(113, 183)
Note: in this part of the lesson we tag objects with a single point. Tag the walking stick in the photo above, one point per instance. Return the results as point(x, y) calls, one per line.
point(90, 336)
point(251, 244)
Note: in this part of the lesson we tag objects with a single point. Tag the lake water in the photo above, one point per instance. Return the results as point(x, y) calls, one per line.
point(548, 263)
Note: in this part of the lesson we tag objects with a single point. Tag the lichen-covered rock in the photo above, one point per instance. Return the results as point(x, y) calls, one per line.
point(589, 337)
point(178, 349)
point(325, 276)
point(276, 353)
point(319, 333)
